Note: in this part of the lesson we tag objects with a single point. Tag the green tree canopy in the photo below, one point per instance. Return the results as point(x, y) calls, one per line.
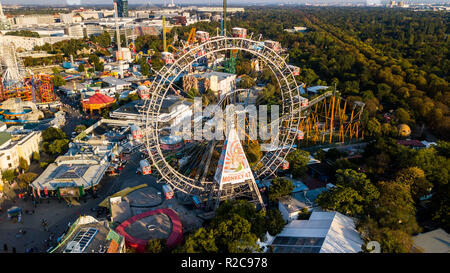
point(274, 222)
point(280, 187)
point(58, 80)
point(298, 160)
point(202, 241)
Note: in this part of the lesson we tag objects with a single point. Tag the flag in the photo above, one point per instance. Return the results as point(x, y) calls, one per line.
point(38, 192)
point(45, 191)
point(34, 194)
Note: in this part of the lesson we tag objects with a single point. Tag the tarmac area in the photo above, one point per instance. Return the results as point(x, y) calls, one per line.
point(156, 226)
point(59, 215)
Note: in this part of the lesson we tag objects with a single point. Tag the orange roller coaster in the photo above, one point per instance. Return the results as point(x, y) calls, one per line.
point(37, 88)
point(332, 120)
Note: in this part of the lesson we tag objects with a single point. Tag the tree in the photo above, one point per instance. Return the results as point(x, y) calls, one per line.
point(36, 157)
point(52, 133)
point(374, 127)
point(58, 146)
point(359, 182)
point(304, 214)
point(298, 160)
point(244, 209)
point(202, 241)
point(23, 164)
point(155, 246)
point(415, 178)
point(402, 115)
point(233, 235)
point(193, 93)
point(9, 175)
point(58, 80)
point(24, 33)
point(280, 187)
point(353, 195)
point(246, 82)
point(80, 128)
point(26, 178)
point(391, 240)
point(274, 222)
point(395, 208)
point(81, 68)
point(342, 199)
point(55, 70)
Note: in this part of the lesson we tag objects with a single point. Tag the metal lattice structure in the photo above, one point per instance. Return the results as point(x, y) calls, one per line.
point(290, 109)
point(17, 82)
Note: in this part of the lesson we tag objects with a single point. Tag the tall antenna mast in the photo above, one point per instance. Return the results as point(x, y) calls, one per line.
point(225, 17)
point(119, 47)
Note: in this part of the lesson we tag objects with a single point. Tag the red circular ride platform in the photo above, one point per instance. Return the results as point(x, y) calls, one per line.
point(175, 238)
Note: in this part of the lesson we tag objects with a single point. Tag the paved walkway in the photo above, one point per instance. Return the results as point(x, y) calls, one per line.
point(58, 215)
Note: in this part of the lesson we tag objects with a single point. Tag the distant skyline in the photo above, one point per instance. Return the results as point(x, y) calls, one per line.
point(206, 2)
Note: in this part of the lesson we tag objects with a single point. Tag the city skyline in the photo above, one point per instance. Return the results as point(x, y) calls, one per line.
point(213, 2)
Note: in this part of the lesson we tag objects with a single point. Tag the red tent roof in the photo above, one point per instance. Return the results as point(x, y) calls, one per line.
point(99, 98)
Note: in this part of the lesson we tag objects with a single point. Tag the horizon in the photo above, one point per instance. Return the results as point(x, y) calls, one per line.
point(68, 3)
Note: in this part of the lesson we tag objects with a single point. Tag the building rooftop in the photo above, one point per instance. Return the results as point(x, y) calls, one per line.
point(308, 197)
point(114, 82)
point(72, 171)
point(99, 98)
point(292, 204)
point(4, 137)
point(220, 75)
point(88, 235)
point(436, 241)
point(324, 232)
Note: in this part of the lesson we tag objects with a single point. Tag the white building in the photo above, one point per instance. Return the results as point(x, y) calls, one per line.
point(74, 31)
point(66, 18)
point(30, 20)
point(219, 82)
point(13, 147)
point(28, 43)
point(324, 232)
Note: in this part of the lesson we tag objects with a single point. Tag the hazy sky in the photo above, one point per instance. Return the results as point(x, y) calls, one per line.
point(204, 2)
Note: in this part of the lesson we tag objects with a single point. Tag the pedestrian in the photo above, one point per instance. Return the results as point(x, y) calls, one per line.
point(13, 250)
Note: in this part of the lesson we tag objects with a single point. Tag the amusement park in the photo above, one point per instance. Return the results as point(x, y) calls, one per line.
point(194, 172)
point(180, 130)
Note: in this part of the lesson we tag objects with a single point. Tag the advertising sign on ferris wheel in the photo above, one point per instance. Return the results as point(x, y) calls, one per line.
point(233, 166)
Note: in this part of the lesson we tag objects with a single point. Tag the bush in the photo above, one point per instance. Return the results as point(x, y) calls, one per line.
point(43, 165)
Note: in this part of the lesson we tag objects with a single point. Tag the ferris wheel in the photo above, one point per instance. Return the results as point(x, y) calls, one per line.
point(198, 183)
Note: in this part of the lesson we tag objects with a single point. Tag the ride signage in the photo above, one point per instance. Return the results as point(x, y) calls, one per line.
point(233, 166)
